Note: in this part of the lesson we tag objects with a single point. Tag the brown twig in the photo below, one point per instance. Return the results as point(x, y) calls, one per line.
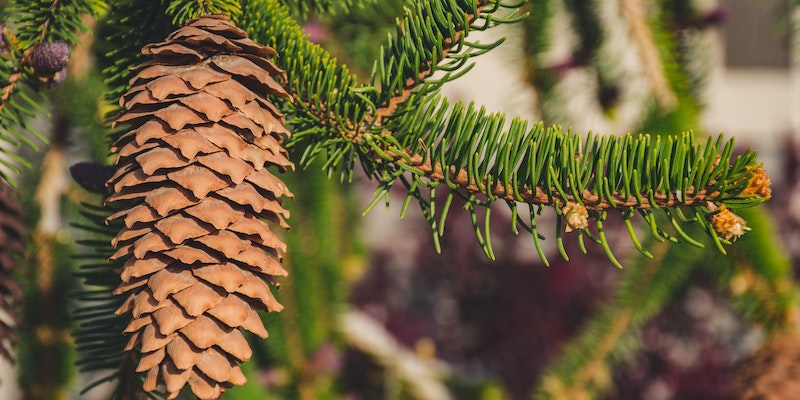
point(9, 88)
point(537, 195)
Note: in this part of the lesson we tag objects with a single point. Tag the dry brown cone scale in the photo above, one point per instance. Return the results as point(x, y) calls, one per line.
point(12, 245)
point(192, 176)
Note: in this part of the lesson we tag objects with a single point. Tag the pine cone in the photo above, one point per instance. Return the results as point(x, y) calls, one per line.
point(192, 176)
point(11, 244)
point(49, 58)
point(773, 373)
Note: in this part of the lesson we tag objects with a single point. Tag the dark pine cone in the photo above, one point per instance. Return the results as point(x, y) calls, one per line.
point(49, 58)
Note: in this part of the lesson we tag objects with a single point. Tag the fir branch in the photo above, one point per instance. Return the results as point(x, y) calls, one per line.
point(399, 125)
point(331, 111)
point(458, 29)
point(38, 22)
point(431, 38)
point(42, 21)
point(475, 156)
point(120, 40)
point(548, 196)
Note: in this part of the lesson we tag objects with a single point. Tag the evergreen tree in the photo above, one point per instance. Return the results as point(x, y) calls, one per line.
point(210, 106)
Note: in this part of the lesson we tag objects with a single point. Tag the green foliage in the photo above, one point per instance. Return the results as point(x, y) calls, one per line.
point(121, 38)
point(398, 124)
point(37, 22)
point(183, 10)
point(542, 166)
point(98, 350)
point(303, 8)
point(48, 21)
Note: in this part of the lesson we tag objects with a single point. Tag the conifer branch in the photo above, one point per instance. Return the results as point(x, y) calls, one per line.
point(426, 69)
point(480, 160)
point(22, 84)
point(548, 196)
point(398, 124)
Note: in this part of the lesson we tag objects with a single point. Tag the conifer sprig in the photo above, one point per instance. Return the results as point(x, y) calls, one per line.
point(21, 94)
point(101, 349)
point(48, 21)
point(123, 37)
point(476, 157)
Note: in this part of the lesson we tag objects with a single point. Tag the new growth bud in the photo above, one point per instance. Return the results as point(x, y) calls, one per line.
point(759, 184)
point(576, 215)
point(727, 224)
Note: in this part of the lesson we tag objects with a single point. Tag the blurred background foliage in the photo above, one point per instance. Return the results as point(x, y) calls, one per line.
point(374, 312)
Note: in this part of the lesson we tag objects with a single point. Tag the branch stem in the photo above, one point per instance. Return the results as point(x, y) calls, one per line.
point(537, 195)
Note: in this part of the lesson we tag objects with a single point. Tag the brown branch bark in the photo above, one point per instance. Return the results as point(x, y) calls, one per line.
point(9, 88)
point(539, 196)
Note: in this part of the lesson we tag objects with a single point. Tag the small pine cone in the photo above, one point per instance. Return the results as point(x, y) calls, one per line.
point(773, 373)
point(192, 176)
point(49, 58)
point(11, 245)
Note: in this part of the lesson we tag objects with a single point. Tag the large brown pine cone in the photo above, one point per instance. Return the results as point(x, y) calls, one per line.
point(12, 245)
point(192, 176)
point(773, 373)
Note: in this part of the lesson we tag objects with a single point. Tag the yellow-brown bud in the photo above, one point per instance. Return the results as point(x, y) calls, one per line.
point(759, 184)
point(576, 215)
point(727, 224)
